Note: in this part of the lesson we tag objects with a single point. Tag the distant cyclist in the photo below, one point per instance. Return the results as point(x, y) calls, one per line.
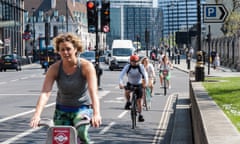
point(135, 72)
point(165, 64)
point(150, 71)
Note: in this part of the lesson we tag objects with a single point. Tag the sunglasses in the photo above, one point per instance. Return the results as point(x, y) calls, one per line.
point(134, 61)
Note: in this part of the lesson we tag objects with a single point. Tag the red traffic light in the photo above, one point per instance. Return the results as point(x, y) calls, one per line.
point(90, 4)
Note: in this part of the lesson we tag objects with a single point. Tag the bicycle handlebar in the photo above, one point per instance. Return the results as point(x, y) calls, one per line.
point(46, 122)
point(49, 122)
point(131, 87)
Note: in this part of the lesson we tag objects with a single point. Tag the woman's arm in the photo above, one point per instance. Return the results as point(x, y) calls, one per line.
point(90, 73)
point(44, 96)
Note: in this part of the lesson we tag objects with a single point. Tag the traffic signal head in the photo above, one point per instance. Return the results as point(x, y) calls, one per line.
point(105, 16)
point(92, 16)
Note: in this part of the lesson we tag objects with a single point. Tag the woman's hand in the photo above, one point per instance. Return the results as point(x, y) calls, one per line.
point(34, 121)
point(96, 120)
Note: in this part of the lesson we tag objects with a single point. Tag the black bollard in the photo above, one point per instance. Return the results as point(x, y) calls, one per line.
point(188, 62)
point(99, 72)
point(199, 69)
point(178, 57)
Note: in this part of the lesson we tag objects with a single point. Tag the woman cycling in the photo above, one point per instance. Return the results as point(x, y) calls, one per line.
point(165, 64)
point(77, 93)
point(150, 71)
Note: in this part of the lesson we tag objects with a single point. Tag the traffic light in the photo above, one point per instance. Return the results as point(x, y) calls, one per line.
point(92, 16)
point(105, 17)
point(55, 31)
point(47, 33)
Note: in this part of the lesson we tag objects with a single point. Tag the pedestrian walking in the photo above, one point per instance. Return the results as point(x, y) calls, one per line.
point(216, 62)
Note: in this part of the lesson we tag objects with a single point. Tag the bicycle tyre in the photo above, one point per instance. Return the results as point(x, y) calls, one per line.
point(134, 111)
point(165, 86)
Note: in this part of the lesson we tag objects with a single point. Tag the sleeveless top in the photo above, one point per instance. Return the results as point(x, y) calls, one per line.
point(72, 89)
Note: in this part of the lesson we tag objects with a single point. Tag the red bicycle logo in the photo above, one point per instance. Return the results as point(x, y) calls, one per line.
point(61, 136)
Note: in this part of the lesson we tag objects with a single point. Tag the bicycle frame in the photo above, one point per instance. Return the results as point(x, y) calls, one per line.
point(62, 134)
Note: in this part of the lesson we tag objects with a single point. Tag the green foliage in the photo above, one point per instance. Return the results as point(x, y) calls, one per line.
point(226, 93)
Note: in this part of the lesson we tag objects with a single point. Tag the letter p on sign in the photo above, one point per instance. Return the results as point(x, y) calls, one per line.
point(211, 12)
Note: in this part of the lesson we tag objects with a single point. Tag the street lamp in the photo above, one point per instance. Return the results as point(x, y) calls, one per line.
point(168, 31)
point(34, 38)
point(188, 55)
point(172, 6)
point(66, 3)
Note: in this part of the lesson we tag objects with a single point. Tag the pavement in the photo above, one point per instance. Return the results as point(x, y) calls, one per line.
point(182, 131)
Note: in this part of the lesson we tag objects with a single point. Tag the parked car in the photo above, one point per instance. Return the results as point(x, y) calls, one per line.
point(10, 61)
point(88, 55)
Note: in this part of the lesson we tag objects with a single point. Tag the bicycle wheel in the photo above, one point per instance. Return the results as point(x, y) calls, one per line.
point(134, 111)
point(165, 86)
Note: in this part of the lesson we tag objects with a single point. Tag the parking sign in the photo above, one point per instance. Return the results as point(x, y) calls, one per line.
point(214, 13)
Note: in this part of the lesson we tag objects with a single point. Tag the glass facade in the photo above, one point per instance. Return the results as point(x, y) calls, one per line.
point(131, 19)
point(179, 14)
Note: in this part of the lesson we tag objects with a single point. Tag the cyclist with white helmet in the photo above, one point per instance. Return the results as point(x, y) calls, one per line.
point(135, 72)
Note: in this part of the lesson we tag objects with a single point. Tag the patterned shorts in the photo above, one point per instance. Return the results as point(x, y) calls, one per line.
point(63, 117)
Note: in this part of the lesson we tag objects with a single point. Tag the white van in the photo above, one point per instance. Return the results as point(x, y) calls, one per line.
point(120, 53)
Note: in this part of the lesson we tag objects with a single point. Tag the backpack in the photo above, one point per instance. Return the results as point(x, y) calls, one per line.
point(153, 56)
point(138, 67)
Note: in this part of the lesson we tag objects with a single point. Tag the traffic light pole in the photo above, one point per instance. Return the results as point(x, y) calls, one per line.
point(97, 67)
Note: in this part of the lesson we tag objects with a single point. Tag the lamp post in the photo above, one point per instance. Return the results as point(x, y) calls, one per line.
point(187, 37)
point(172, 6)
point(34, 38)
point(168, 31)
point(66, 3)
point(177, 46)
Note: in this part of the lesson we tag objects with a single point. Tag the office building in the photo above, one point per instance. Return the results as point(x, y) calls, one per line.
point(131, 19)
point(179, 15)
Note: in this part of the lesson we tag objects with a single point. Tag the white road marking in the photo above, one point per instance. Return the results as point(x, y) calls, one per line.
point(123, 113)
point(22, 114)
point(14, 80)
point(107, 128)
point(28, 132)
point(163, 120)
point(3, 82)
point(113, 101)
point(32, 94)
point(19, 136)
point(24, 78)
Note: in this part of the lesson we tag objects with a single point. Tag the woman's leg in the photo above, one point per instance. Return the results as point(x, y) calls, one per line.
point(83, 130)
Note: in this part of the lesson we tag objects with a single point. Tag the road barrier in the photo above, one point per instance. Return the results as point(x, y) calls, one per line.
point(210, 124)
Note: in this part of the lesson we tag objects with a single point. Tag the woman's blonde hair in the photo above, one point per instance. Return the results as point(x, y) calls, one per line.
point(144, 59)
point(68, 37)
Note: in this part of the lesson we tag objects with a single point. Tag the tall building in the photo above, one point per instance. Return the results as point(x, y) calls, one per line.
point(179, 15)
point(11, 19)
point(131, 19)
point(63, 15)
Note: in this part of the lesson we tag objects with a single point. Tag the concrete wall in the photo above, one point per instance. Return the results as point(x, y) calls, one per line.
point(210, 124)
